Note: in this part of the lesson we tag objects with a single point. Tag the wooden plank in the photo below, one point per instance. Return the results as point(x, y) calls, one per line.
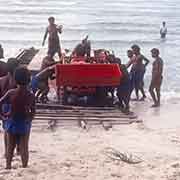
point(84, 116)
point(80, 118)
point(84, 113)
point(58, 106)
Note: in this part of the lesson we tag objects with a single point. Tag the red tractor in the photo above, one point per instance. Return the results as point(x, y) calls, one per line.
point(87, 84)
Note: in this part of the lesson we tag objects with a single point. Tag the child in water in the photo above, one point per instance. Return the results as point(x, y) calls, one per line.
point(18, 119)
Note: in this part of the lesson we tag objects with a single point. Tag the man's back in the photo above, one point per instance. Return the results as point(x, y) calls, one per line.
point(6, 83)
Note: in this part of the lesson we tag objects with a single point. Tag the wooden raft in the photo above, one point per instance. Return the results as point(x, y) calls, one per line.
point(52, 116)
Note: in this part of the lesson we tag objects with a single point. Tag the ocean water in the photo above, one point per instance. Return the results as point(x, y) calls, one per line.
point(111, 24)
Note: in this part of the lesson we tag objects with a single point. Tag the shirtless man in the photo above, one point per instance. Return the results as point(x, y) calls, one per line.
point(53, 40)
point(139, 63)
point(85, 47)
point(157, 77)
point(42, 80)
point(7, 82)
point(3, 69)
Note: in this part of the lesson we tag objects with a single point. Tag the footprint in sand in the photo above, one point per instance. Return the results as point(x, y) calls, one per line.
point(33, 151)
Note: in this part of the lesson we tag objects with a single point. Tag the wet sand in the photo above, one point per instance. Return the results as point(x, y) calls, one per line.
point(71, 153)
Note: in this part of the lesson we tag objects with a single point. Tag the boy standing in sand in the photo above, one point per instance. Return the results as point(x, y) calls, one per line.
point(18, 122)
point(53, 40)
point(157, 77)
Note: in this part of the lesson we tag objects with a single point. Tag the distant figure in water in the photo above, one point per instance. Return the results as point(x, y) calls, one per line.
point(53, 40)
point(163, 30)
point(1, 52)
point(157, 77)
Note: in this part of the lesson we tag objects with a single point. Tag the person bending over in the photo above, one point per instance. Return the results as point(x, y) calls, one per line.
point(43, 79)
point(39, 83)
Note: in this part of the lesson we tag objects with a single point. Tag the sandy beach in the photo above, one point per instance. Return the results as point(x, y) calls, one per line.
point(70, 153)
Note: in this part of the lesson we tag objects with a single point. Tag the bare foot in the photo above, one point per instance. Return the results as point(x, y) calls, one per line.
point(155, 105)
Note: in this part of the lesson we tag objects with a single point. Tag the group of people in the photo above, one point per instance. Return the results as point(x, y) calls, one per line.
point(133, 78)
point(18, 88)
point(138, 64)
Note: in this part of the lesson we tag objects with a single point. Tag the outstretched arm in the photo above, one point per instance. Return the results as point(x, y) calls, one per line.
point(2, 100)
point(130, 62)
point(32, 108)
point(5, 97)
point(45, 36)
point(59, 28)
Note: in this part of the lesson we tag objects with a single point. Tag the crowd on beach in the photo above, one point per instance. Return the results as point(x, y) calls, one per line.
point(19, 92)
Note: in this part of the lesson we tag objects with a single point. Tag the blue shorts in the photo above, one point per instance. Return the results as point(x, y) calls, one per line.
point(34, 84)
point(124, 89)
point(137, 78)
point(6, 108)
point(18, 125)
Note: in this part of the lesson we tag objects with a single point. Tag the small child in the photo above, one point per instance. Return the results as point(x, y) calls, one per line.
point(157, 77)
point(18, 119)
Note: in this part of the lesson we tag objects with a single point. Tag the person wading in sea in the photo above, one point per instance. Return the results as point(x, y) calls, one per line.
point(163, 30)
point(53, 40)
point(1, 52)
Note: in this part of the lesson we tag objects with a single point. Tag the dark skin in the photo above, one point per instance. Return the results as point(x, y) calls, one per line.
point(156, 81)
point(29, 111)
point(3, 69)
point(1, 52)
point(43, 87)
point(139, 62)
point(52, 30)
point(6, 82)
